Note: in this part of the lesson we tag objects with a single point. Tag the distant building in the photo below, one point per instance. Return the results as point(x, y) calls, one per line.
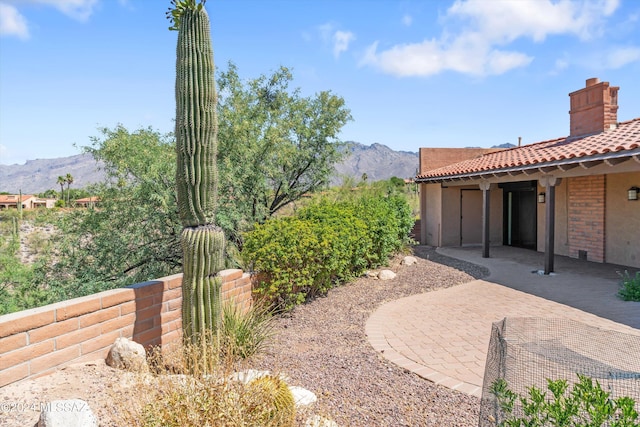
point(87, 202)
point(10, 201)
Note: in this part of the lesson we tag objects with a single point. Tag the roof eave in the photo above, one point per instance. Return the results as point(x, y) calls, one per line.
point(587, 162)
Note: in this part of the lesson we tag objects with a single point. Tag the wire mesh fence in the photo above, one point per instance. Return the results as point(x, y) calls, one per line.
point(528, 352)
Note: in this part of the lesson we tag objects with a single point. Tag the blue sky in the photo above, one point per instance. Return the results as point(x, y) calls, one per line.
point(413, 73)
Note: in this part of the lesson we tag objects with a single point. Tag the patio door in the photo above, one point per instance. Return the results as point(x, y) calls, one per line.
point(470, 217)
point(520, 217)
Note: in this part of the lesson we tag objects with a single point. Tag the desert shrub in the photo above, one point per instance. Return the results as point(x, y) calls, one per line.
point(325, 244)
point(245, 333)
point(586, 404)
point(18, 288)
point(283, 253)
point(207, 397)
point(389, 221)
point(630, 287)
point(344, 234)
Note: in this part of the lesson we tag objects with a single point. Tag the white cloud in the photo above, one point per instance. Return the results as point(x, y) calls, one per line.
point(504, 21)
point(338, 39)
point(79, 10)
point(76, 9)
point(341, 40)
point(12, 23)
point(432, 57)
point(619, 57)
point(479, 29)
point(407, 20)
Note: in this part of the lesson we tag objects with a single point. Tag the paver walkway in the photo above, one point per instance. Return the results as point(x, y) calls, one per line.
point(444, 335)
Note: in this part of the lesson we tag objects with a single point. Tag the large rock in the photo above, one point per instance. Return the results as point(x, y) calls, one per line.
point(67, 413)
point(128, 355)
point(409, 260)
point(302, 396)
point(245, 377)
point(386, 275)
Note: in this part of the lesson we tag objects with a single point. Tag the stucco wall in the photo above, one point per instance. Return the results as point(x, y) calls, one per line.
point(440, 214)
point(450, 216)
point(622, 221)
point(430, 211)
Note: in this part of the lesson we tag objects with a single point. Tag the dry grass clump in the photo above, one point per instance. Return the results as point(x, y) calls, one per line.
point(193, 384)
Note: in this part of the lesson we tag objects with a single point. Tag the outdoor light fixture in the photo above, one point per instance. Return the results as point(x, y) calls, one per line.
point(541, 198)
point(632, 193)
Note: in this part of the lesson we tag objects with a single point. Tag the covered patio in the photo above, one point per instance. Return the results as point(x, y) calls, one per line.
point(575, 196)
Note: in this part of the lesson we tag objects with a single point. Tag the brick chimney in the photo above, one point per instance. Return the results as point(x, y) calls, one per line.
point(594, 109)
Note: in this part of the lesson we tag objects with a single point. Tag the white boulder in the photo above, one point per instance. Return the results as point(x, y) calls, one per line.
point(67, 413)
point(128, 355)
point(386, 275)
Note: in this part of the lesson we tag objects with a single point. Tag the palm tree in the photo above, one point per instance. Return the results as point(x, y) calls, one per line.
point(69, 180)
point(61, 181)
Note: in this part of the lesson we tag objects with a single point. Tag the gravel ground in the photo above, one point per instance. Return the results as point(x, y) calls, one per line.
point(322, 346)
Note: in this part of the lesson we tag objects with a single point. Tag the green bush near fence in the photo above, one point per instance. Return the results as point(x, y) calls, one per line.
point(323, 245)
point(630, 287)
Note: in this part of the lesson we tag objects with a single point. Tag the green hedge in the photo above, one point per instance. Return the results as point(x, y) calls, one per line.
point(325, 244)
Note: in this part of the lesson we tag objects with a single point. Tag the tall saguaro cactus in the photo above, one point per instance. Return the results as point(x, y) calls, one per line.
point(203, 243)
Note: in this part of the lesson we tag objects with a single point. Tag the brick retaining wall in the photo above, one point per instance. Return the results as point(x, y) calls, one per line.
point(38, 341)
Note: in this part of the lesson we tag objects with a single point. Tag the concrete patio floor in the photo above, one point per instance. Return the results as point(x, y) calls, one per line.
point(443, 335)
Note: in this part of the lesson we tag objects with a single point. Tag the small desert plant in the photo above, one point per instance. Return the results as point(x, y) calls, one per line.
point(245, 333)
point(630, 288)
point(277, 405)
point(585, 405)
point(207, 396)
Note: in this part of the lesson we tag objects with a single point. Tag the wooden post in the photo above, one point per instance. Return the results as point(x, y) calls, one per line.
point(485, 187)
point(550, 183)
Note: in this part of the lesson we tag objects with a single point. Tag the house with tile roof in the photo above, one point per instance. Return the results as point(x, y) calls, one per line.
point(10, 201)
point(575, 196)
point(87, 202)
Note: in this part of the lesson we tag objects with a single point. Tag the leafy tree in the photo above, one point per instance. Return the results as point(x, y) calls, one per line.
point(49, 194)
point(134, 236)
point(274, 145)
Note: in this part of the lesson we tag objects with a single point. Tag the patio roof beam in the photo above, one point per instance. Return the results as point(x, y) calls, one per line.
point(568, 167)
point(590, 164)
point(548, 169)
point(613, 162)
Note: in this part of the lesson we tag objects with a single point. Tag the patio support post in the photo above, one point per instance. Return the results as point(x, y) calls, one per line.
point(484, 186)
point(550, 183)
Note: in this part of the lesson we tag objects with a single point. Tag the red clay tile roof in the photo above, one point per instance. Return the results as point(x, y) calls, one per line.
point(625, 137)
point(13, 198)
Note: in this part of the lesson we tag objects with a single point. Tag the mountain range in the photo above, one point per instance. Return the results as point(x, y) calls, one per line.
point(36, 176)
